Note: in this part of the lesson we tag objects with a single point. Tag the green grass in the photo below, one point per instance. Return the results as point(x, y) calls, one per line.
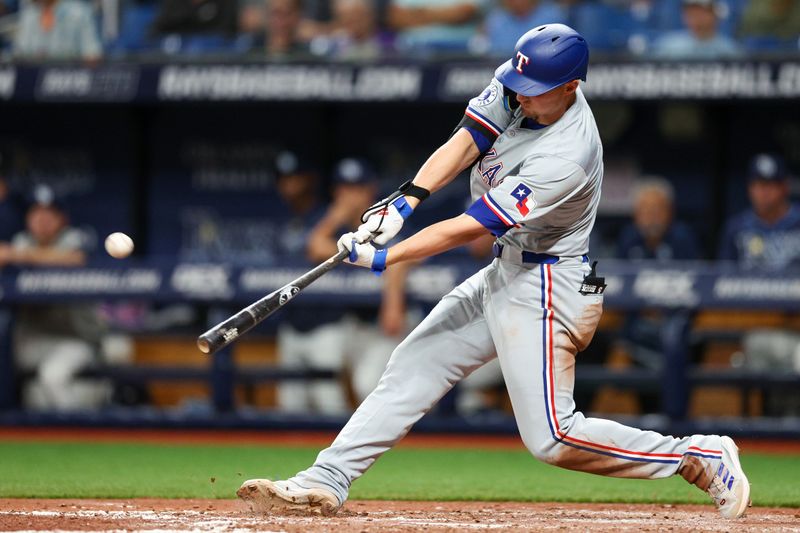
point(47, 470)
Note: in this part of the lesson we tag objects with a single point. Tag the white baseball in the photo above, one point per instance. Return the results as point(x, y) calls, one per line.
point(119, 245)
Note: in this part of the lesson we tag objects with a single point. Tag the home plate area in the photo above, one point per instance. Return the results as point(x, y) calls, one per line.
point(376, 516)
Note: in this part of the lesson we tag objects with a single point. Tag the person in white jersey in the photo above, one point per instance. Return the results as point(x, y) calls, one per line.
point(536, 175)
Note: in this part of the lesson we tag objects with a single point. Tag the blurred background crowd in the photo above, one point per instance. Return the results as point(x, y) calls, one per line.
point(368, 30)
point(273, 184)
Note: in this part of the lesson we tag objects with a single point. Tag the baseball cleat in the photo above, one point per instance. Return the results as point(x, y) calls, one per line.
point(276, 497)
point(729, 488)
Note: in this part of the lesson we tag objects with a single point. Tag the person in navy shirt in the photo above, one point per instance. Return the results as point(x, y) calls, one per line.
point(767, 236)
point(654, 233)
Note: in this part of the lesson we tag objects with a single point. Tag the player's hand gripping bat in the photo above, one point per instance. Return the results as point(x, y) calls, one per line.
point(234, 327)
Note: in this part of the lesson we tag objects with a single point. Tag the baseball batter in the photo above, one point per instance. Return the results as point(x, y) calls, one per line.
point(536, 182)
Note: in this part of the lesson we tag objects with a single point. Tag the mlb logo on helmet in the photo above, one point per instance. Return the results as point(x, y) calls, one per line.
point(545, 58)
point(521, 194)
point(522, 60)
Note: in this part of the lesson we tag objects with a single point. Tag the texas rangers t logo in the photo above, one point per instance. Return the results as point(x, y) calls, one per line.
point(521, 194)
point(522, 61)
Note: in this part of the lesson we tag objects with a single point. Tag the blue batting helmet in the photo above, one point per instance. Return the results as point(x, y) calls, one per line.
point(544, 58)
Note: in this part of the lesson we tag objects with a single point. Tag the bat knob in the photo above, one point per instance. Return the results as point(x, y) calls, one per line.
point(203, 345)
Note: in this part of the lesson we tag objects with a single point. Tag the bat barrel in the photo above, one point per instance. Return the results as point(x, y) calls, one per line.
point(225, 332)
point(204, 344)
point(231, 329)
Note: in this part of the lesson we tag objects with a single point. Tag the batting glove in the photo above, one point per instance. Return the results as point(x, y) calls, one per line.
point(383, 221)
point(364, 255)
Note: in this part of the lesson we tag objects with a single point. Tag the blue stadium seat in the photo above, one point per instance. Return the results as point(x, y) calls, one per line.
point(134, 32)
point(770, 43)
point(666, 15)
point(605, 27)
point(205, 44)
point(732, 13)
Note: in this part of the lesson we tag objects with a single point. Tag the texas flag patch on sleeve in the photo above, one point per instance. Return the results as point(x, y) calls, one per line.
point(521, 194)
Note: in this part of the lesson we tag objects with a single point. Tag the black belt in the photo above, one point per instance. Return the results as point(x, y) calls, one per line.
point(534, 257)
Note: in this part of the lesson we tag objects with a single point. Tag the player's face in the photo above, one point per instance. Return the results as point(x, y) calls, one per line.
point(548, 107)
point(283, 16)
point(653, 214)
point(293, 187)
point(767, 196)
point(44, 224)
point(355, 18)
point(700, 20)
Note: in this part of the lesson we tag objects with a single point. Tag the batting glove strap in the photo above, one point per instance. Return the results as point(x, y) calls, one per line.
point(409, 189)
point(379, 261)
point(402, 207)
point(353, 258)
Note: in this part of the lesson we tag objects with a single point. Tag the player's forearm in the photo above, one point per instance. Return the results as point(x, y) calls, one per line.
point(446, 163)
point(322, 241)
point(401, 18)
point(48, 257)
point(436, 239)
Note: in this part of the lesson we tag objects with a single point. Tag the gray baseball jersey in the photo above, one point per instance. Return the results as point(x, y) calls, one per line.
point(536, 188)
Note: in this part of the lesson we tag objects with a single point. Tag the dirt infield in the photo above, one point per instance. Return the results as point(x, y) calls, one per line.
point(377, 516)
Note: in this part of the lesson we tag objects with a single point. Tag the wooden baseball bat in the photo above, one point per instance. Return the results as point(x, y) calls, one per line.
point(234, 327)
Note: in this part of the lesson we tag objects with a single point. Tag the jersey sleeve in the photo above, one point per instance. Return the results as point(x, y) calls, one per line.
point(487, 115)
point(542, 184)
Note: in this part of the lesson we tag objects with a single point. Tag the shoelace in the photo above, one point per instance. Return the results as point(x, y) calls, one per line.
point(722, 482)
point(717, 488)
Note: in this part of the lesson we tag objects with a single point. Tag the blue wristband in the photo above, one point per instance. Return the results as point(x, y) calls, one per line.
point(379, 261)
point(402, 207)
point(353, 257)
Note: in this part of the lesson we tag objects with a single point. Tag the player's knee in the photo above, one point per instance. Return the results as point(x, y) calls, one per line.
point(541, 445)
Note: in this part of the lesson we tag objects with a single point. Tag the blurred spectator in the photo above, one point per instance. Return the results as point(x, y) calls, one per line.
point(701, 39)
point(57, 29)
point(252, 16)
point(653, 233)
point(196, 16)
point(315, 17)
point(48, 240)
point(434, 25)
point(659, 15)
point(767, 236)
point(282, 37)
point(54, 341)
point(332, 337)
point(776, 19)
point(355, 35)
point(507, 22)
point(297, 186)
